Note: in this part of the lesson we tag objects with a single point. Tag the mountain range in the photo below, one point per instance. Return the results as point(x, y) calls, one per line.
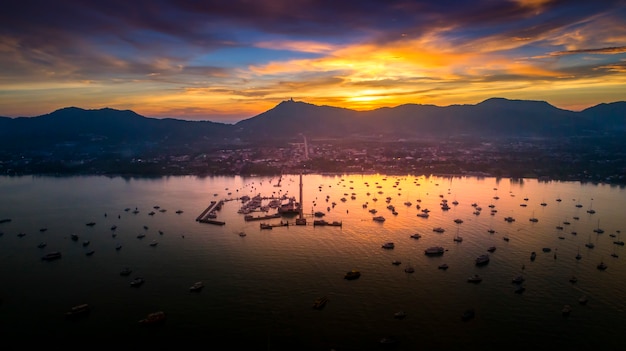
point(492, 118)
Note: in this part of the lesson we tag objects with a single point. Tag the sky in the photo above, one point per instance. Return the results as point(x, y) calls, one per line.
point(228, 60)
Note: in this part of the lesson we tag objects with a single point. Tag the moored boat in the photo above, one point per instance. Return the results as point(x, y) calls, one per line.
point(353, 274)
point(78, 310)
point(153, 318)
point(196, 287)
point(320, 302)
point(434, 251)
point(51, 256)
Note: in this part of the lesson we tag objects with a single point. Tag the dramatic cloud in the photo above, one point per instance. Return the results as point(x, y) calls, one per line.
point(229, 60)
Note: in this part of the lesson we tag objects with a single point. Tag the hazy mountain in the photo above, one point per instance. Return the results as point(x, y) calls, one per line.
point(491, 118)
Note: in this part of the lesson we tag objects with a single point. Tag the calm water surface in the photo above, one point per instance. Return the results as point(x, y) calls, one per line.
point(259, 288)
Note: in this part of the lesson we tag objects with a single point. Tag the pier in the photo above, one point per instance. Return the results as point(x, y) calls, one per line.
point(208, 215)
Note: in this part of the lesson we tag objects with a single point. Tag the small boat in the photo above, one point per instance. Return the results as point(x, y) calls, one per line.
point(91, 224)
point(416, 236)
point(409, 269)
point(242, 234)
point(491, 249)
point(602, 266)
point(154, 243)
point(141, 236)
point(41, 245)
point(388, 340)
point(438, 230)
point(566, 310)
point(533, 255)
point(475, 279)
point(583, 300)
point(546, 249)
point(51, 256)
point(90, 252)
point(388, 245)
point(137, 282)
point(74, 237)
point(468, 314)
point(379, 219)
point(78, 310)
point(399, 315)
point(443, 266)
point(126, 271)
point(118, 247)
point(518, 280)
point(573, 279)
point(196, 287)
point(396, 263)
point(153, 318)
point(86, 242)
point(179, 211)
point(320, 303)
point(434, 251)
point(353, 274)
point(482, 260)
point(265, 226)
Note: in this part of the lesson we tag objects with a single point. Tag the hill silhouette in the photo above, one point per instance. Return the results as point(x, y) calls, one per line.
point(492, 118)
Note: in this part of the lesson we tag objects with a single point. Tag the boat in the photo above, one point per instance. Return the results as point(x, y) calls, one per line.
point(353, 274)
point(51, 256)
point(396, 262)
point(74, 237)
point(265, 226)
point(196, 287)
point(242, 234)
point(379, 219)
point(468, 314)
point(154, 243)
point(475, 279)
point(137, 282)
point(567, 309)
point(86, 243)
point(126, 271)
point(438, 230)
point(91, 224)
point(388, 341)
point(118, 247)
point(482, 260)
point(434, 251)
point(90, 252)
point(546, 249)
point(78, 310)
point(443, 266)
point(602, 266)
point(533, 255)
point(388, 245)
point(416, 236)
point(320, 303)
point(41, 245)
point(518, 280)
point(583, 300)
point(409, 269)
point(399, 315)
point(491, 248)
point(423, 214)
point(153, 318)
point(457, 238)
point(573, 279)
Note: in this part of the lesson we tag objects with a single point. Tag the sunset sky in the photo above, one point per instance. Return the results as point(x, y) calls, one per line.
point(225, 61)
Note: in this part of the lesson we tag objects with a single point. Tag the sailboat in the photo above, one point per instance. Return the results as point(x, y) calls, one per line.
point(590, 244)
point(598, 230)
point(457, 238)
point(533, 218)
point(591, 210)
